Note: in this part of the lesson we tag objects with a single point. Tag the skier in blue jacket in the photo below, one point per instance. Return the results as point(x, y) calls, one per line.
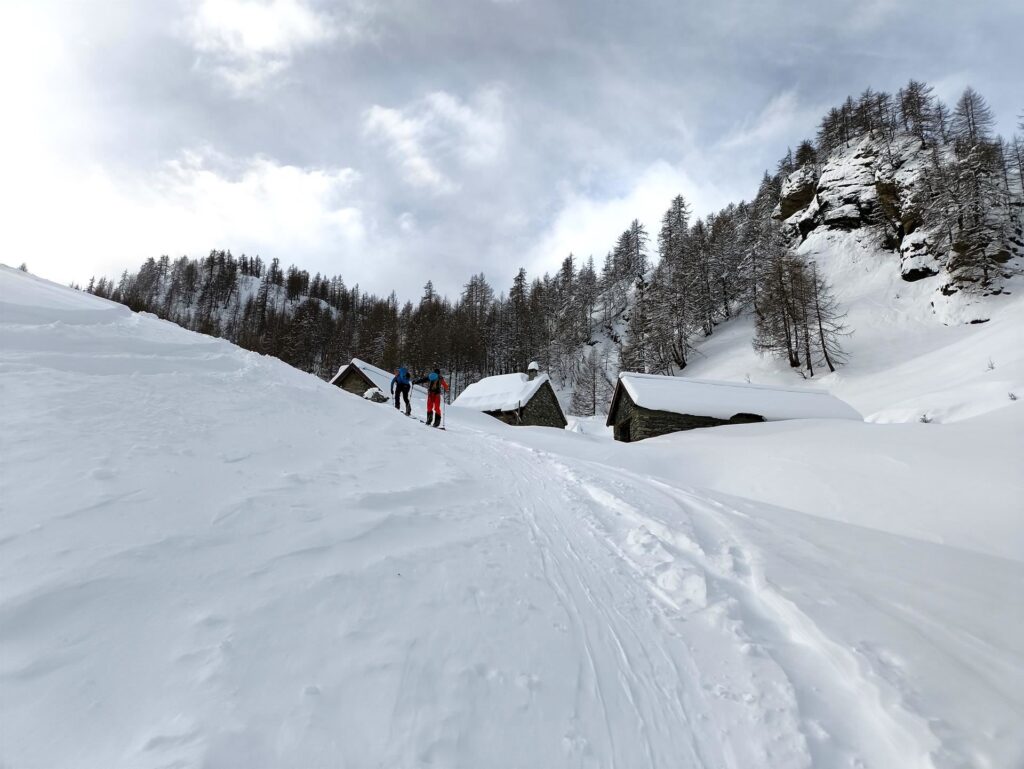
point(400, 387)
point(435, 383)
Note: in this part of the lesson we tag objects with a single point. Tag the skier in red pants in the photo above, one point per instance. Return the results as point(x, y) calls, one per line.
point(434, 382)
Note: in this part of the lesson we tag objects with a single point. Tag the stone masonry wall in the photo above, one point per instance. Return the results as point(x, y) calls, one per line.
point(353, 383)
point(645, 423)
point(543, 409)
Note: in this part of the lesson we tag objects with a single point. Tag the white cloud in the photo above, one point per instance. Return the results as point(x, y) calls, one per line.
point(72, 223)
point(780, 119)
point(248, 42)
point(588, 225)
point(42, 88)
point(261, 201)
point(951, 87)
point(478, 130)
point(405, 137)
point(865, 16)
point(435, 136)
point(407, 222)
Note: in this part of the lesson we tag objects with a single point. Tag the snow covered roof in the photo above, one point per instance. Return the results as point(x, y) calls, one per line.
point(723, 400)
point(380, 378)
point(505, 392)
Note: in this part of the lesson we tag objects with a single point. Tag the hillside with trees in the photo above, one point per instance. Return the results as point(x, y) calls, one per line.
point(929, 185)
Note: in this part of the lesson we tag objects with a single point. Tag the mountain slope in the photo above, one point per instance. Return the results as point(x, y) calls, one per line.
point(208, 558)
point(913, 352)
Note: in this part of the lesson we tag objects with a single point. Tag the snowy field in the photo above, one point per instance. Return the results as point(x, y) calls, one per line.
point(209, 559)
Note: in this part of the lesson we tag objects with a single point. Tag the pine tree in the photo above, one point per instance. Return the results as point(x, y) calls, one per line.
point(805, 155)
point(1016, 155)
point(972, 121)
point(669, 308)
point(776, 330)
point(916, 106)
point(519, 322)
point(637, 251)
point(586, 286)
point(584, 394)
point(966, 195)
point(636, 352)
point(827, 320)
point(698, 275)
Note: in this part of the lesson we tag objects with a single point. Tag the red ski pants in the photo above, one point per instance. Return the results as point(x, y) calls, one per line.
point(434, 403)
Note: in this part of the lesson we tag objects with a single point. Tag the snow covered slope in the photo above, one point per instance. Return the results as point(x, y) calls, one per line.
point(209, 559)
point(919, 349)
point(913, 352)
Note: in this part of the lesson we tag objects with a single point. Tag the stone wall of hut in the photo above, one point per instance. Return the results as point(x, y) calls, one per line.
point(508, 417)
point(353, 383)
point(648, 424)
point(543, 409)
point(644, 423)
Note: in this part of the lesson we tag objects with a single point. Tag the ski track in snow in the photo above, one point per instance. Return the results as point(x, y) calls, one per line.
point(699, 571)
point(243, 567)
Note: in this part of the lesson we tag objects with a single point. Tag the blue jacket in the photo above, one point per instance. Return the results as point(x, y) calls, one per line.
point(401, 378)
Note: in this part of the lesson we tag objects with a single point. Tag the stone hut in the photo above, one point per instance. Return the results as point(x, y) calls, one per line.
point(352, 378)
point(647, 405)
point(359, 376)
point(515, 399)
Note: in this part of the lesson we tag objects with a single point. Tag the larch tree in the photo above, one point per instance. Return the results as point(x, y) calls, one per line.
point(827, 320)
point(592, 391)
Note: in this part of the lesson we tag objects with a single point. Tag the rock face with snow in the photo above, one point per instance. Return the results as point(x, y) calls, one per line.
point(797, 192)
point(846, 192)
point(871, 184)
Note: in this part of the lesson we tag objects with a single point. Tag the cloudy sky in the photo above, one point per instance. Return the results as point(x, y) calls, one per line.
point(394, 142)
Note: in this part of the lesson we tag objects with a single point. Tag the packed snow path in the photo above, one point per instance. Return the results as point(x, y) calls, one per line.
point(209, 559)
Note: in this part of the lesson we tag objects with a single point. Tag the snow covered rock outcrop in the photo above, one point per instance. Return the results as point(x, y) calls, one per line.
point(871, 184)
point(376, 395)
point(798, 191)
point(846, 189)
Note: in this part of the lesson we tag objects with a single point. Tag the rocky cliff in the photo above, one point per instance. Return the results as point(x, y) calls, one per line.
point(871, 184)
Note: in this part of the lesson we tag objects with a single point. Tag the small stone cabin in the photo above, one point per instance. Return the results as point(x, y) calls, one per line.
point(647, 405)
point(359, 376)
point(352, 378)
point(515, 399)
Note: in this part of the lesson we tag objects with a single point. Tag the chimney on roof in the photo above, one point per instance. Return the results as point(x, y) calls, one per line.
point(532, 370)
